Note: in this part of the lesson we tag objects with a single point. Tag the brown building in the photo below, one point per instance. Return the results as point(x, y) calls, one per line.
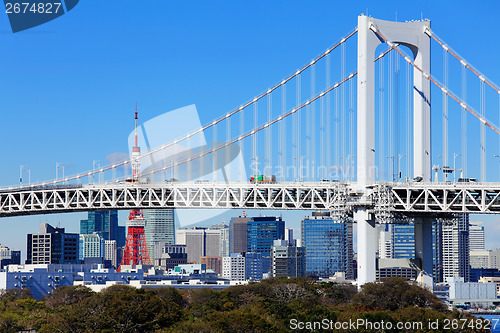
point(213, 263)
point(238, 240)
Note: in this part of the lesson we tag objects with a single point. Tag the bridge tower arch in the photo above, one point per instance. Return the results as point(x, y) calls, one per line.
point(413, 35)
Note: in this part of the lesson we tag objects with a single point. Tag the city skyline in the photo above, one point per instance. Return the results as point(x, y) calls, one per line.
point(108, 115)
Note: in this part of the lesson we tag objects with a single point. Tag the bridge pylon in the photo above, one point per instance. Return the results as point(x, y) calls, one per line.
point(413, 35)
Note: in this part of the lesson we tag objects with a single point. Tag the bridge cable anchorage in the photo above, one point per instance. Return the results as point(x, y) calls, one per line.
point(240, 109)
point(442, 87)
point(280, 118)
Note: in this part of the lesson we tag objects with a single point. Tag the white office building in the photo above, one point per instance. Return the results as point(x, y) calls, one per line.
point(476, 236)
point(233, 267)
point(91, 246)
point(456, 254)
point(110, 252)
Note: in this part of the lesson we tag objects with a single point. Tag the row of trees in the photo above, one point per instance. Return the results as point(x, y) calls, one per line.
point(267, 306)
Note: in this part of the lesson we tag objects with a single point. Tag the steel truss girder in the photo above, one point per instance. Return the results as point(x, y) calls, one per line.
point(398, 198)
point(446, 198)
point(46, 200)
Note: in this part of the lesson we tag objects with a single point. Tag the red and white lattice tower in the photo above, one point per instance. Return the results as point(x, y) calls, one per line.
point(136, 251)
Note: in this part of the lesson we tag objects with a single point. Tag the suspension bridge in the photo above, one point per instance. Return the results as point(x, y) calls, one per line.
point(332, 143)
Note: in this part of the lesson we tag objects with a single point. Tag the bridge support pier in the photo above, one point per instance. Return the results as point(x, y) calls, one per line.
point(367, 246)
point(423, 251)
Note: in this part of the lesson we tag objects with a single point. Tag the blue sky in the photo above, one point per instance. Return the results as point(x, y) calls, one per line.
point(68, 87)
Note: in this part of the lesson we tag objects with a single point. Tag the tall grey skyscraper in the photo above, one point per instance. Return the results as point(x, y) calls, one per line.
point(455, 241)
point(224, 238)
point(200, 242)
point(160, 227)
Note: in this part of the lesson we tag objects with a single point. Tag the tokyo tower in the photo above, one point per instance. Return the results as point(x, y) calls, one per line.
point(136, 251)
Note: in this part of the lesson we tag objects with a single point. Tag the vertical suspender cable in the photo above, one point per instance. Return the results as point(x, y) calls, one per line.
point(322, 141)
point(350, 158)
point(242, 157)
point(308, 139)
point(409, 89)
point(343, 137)
point(283, 133)
point(464, 121)
point(297, 118)
point(201, 171)
point(254, 148)
point(381, 142)
point(390, 120)
point(396, 118)
point(445, 112)
point(268, 143)
point(214, 153)
point(228, 149)
point(312, 133)
point(483, 131)
point(328, 120)
point(189, 164)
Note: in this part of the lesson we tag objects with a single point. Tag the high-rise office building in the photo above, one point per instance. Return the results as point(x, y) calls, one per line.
point(289, 236)
point(328, 245)
point(160, 227)
point(262, 232)
point(243, 266)
point(110, 252)
point(254, 266)
point(456, 254)
point(386, 241)
point(437, 252)
point(224, 238)
point(200, 242)
point(233, 267)
point(9, 257)
point(91, 246)
point(52, 246)
point(104, 223)
point(238, 234)
point(476, 237)
point(404, 241)
point(287, 259)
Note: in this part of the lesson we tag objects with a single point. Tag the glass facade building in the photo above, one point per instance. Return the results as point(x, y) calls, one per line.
point(404, 241)
point(160, 227)
point(261, 233)
point(105, 224)
point(328, 246)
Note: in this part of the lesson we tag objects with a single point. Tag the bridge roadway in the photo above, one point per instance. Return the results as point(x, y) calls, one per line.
point(405, 198)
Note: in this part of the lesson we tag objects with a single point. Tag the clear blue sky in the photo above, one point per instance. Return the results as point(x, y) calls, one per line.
point(68, 87)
